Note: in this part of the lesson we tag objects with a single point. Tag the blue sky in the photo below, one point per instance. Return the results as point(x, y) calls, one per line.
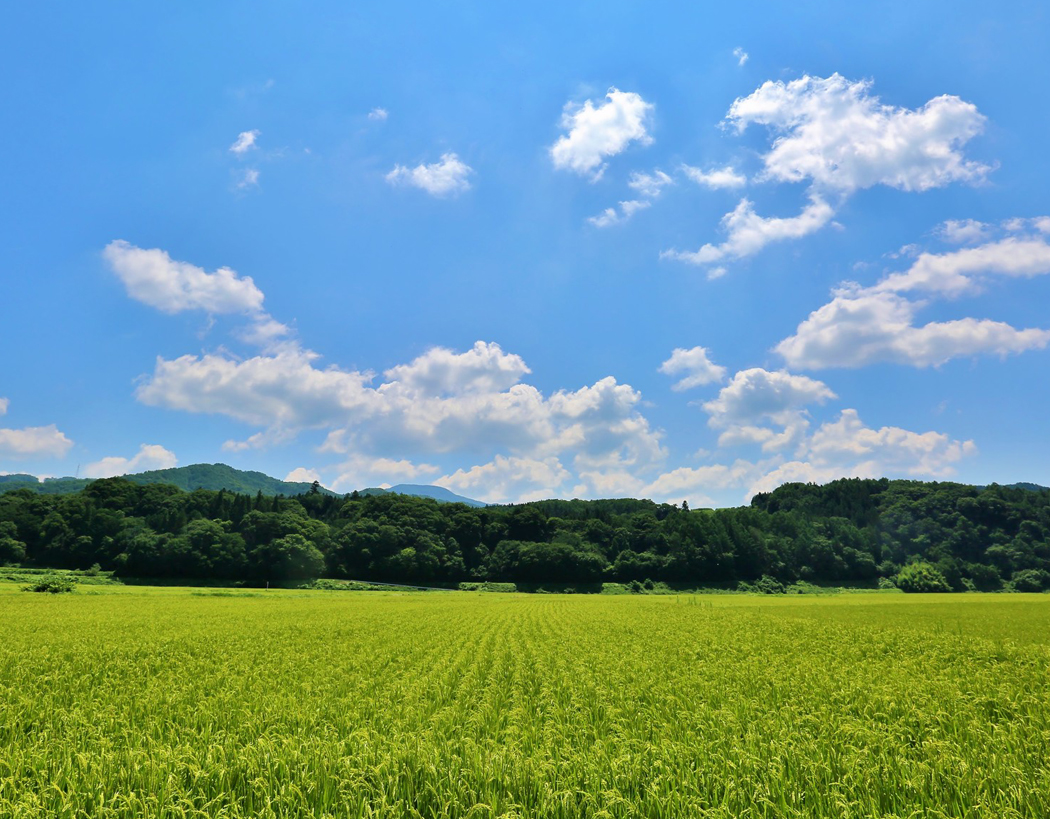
point(617, 249)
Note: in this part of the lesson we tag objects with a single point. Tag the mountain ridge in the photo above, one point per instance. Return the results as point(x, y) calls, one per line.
point(220, 476)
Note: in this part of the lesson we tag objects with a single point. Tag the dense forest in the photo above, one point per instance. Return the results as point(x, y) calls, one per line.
point(935, 536)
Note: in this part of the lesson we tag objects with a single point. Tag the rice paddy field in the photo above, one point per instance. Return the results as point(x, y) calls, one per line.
point(132, 702)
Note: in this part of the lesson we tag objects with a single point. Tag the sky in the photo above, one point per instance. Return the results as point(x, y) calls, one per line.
point(589, 250)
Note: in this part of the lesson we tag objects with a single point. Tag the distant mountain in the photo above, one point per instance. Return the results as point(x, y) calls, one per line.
point(188, 478)
point(221, 476)
point(49, 486)
point(438, 493)
point(1031, 487)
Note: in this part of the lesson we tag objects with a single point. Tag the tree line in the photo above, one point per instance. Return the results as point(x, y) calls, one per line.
point(942, 536)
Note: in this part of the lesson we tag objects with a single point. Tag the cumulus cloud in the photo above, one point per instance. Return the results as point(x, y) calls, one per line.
point(4, 404)
point(284, 390)
point(448, 177)
point(755, 394)
point(717, 178)
point(378, 114)
point(747, 233)
point(34, 442)
point(866, 325)
point(440, 402)
point(861, 327)
point(509, 479)
point(303, 475)
point(839, 136)
point(154, 278)
point(846, 448)
point(741, 56)
point(649, 185)
point(440, 371)
point(966, 270)
point(149, 457)
point(695, 365)
point(646, 185)
point(363, 471)
point(245, 142)
point(596, 132)
point(612, 216)
point(962, 231)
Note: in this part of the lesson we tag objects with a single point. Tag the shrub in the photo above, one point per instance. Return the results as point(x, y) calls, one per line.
point(886, 583)
point(52, 584)
point(768, 585)
point(921, 577)
point(1031, 580)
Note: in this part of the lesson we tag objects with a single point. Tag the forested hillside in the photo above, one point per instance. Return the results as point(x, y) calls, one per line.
point(850, 531)
point(188, 478)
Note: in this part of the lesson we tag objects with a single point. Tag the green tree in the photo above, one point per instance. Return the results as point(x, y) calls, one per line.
point(921, 577)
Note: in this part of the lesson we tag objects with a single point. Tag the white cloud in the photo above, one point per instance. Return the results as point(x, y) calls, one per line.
point(962, 231)
point(610, 216)
point(34, 442)
point(596, 132)
point(646, 185)
point(717, 178)
point(154, 278)
point(509, 479)
point(249, 178)
point(362, 471)
point(695, 364)
point(444, 178)
point(4, 404)
point(755, 394)
point(378, 114)
point(845, 448)
point(245, 142)
point(149, 457)
point(741, 56)
point(834, 133)
point(862, 327)
point(440, 402)
point(283, 390)
point(748, 233)
point(847, 439)
point(440, 371)
point(964, 271)
point(303, 475)
point(791, 435)
point(649, 185)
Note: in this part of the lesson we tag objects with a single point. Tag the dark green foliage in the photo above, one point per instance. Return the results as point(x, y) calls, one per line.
point(1031, 580)
point(921, 577)
point(849, 532)
point(53, 583)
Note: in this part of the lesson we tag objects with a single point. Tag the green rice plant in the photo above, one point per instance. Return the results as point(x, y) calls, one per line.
point(130, 702)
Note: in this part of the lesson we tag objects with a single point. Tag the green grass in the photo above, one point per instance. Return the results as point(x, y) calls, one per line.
point(130, 702)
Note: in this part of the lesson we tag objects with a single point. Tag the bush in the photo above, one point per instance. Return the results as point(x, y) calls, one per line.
point(768, 585)
point(886, 583)
point(1031, 580)
point(921, 577)
point(504, 588)
point(52, 584)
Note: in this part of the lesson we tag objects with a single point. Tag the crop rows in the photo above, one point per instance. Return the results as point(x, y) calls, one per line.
point(456, 705)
